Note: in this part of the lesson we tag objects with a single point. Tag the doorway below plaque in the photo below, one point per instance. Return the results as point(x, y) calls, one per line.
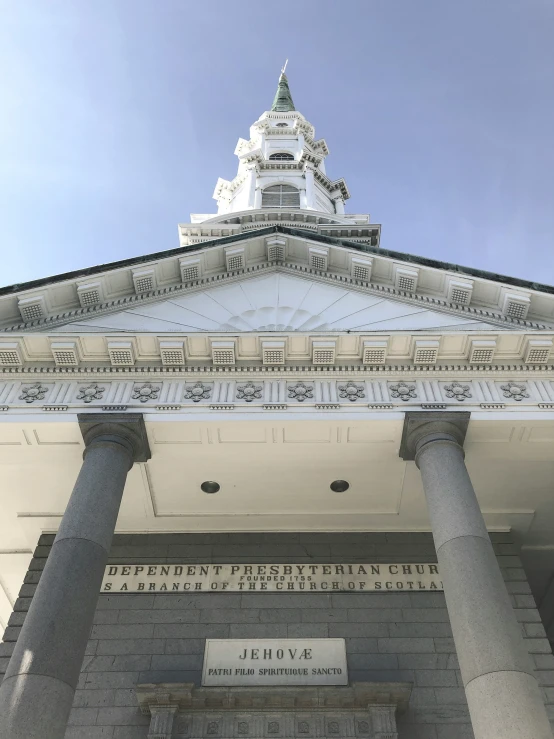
point(362, 710)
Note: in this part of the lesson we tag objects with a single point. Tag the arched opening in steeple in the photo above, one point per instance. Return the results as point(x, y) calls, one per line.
point(281, 156)
point(281, 196)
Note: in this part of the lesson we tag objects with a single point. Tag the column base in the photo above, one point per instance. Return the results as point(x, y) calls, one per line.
point(34, 707)
point(507, 705)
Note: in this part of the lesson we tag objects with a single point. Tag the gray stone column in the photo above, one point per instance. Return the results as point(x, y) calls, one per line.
point(503, 696)
point(37, 692)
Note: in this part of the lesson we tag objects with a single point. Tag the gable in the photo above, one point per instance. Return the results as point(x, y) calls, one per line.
point(130, 286)
point(276, 302)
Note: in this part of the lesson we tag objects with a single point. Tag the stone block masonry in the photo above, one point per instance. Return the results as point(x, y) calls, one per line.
point(397, 636)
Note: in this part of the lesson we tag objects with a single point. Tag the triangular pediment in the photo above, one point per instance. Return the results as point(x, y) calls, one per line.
point(275, 278)
point(276, 301)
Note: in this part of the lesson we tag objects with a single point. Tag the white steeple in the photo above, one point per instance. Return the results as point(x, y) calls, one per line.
point(281, 165)
point(281, 179)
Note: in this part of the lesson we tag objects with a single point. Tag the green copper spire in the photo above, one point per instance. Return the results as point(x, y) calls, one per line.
point(283, 99)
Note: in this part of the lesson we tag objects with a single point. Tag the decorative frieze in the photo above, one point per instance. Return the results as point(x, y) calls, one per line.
point(276, 393)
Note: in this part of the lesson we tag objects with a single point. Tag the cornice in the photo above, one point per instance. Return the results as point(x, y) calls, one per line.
point(295, 232)
point(330, 185)
point(286, 267)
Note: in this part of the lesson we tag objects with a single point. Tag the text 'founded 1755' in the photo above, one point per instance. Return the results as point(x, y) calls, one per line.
point(134, 578)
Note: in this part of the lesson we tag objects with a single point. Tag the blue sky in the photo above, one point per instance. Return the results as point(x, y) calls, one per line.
point(118, 116)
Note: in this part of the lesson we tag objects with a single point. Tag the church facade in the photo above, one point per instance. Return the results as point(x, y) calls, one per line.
point(278, 481)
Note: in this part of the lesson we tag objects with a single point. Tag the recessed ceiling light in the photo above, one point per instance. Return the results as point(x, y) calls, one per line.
point(339, 486)
point(210, 486)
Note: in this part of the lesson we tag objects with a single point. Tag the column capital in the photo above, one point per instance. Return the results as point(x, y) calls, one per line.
point(126, 429)
point(436, 426)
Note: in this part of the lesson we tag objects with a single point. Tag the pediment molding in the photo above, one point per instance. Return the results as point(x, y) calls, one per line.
point(48, 304)
point(225, 277)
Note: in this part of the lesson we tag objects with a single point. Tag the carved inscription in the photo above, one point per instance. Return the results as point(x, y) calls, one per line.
point(283, 578)
point(275, 662)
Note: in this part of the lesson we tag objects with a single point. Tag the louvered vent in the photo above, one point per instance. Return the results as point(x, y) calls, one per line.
point(318, 258)
point(190, 270)
point(90, 294)
point(32, 309)
point(172, 352)
point(407, 284)
point(361, 269)
point(459, 292)
point(234, 259)
point(223, 352)
point(190, 273)
point(273, 352)
point(406, 279)
point(65, 353)
point(426, 352)
point(121, 353)
point(460, 297)
point(516, 310)
point(538, 351)
point(276, 249)
point(145, 281)
point(323, 352)
point(10, 355)
point(374, 352)
point(516, 306)
point(281, 196)
point(482, 352)
point(276, 253)
point(89, 297)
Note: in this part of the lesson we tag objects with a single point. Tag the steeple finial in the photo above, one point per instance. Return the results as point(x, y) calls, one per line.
point(283, 99)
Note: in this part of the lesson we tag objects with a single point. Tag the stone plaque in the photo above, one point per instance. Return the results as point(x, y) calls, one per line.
point(274, 662)
point(284, 578)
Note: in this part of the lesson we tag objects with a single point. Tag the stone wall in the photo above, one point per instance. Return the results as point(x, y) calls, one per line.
point(395, 636)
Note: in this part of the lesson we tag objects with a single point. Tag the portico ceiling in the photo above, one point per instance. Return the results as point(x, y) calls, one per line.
point(274, 475)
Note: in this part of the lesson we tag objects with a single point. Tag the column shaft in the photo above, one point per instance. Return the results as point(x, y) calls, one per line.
point(38, 689)
point(503, 695)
